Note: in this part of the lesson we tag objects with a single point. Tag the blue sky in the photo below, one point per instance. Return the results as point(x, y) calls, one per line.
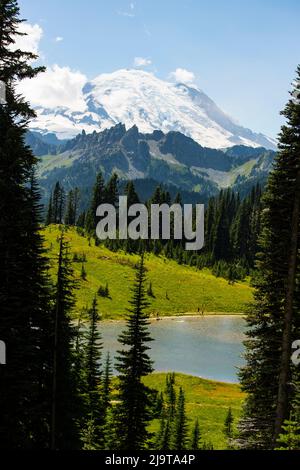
point(242, 53)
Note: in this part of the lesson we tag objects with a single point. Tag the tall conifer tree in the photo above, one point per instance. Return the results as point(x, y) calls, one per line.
point(98, 198)
point(274, 321)
point(196, 436)
point(93, 375)
point(66, 402)
point(180, 430)
point(25, 326)
point(133, 413)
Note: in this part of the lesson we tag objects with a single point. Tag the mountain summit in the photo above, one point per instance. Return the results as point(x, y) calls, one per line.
point(136, 97)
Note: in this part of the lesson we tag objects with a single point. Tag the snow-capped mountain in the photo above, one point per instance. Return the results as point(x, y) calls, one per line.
point(136, 97)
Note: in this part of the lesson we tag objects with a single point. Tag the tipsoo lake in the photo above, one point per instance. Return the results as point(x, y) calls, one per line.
point(209, 346)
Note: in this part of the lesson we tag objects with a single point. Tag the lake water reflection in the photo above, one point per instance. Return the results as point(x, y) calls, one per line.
point(209, 346)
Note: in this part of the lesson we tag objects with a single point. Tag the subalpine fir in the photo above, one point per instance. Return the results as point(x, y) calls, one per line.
point(26, 324)
point(134, 410)
point(274, 321)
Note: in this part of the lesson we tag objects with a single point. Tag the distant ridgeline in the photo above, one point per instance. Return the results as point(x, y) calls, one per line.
point(173, 160)
point(158, 168)
point(231, 225)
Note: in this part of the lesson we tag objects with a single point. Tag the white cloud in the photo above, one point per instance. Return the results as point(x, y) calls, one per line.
point(58, 86)
point(30, 42)
point(130, 13)
point(182, 76)
point(126, 13)
point(141, 62)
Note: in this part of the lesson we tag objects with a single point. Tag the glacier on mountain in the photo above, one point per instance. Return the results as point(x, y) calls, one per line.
point(136, 97)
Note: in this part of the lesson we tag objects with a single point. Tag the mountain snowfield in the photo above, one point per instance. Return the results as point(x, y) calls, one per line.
point(136, 97)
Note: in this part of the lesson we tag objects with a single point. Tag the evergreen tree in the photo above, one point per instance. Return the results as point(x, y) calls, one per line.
point(273, 322)
point(255, 223)
point(88, 436)
point(159, 403)
point(80, 358)
point(228, 426)
point(150, 292)
point(58, 203)
point(132, 198)
point(49, 216)
point(93, 356)
point(61, 205)
point(133, 413)
point(157, 197)
point(66, 403)
point(241, 230)
point(178, 199)
point(179, 438)
point(103, 291)
point(196, 436)
point(25, 386)
point(81, 222)
point(130, 192)
point(83, 272)
point(106, 383)
point(106, 408)
point(210, 215)
point(170, 396)
point(72, 206)
point(221, 230)
point(167, 415)
point(163, 441)
point(98, 198)
point(112, 191)
point(93, 374)
point(76, 200)
point(69, 209)
point(289, 439)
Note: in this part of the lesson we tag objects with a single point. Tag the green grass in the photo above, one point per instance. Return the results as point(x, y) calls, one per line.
point(187, 289)
point(177, 289)
point(48, 163)
point(206, 400)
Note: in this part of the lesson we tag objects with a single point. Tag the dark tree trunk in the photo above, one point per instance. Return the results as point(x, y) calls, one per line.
point(284, 371)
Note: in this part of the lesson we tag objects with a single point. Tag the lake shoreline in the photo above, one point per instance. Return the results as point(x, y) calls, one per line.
point(207, 347)
point(180, 316)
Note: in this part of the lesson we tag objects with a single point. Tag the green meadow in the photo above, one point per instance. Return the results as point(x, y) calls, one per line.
point(177, 289)
point(206, 400)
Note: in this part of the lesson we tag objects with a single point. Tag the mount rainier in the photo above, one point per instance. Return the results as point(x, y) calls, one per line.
point(136, 97)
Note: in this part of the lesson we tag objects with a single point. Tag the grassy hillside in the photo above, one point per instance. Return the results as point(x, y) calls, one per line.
point(177, 289)
point(206, 400)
